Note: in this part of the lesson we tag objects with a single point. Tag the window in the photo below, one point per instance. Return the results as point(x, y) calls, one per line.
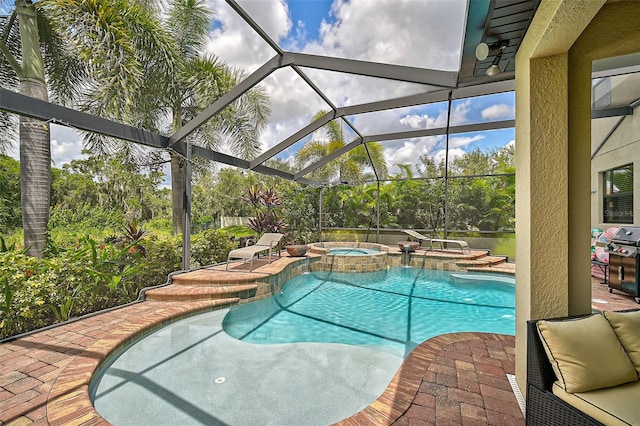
point(618, 195)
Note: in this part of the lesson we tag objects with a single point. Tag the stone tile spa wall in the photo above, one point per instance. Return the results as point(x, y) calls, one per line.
point(369, 262)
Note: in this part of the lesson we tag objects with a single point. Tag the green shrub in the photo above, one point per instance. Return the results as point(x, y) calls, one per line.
point(163, 256)
point(160, 227)
point(239, 230)
point(211, 246)
point(85, 216)
point(77, 279)
point(27, 288)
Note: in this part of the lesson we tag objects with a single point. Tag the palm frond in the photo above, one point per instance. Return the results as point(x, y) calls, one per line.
point(188, 21)
point(65, 72)
point(10, 38)
point(8, 132)
point(118, 41)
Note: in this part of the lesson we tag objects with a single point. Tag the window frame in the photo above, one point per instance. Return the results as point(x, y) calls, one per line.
point(610, 194)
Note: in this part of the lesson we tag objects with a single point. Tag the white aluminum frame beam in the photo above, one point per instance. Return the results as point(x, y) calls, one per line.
point(465, 128)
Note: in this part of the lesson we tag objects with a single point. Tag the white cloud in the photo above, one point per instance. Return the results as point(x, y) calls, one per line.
point(498, 111)
point(459, 113)
point(456, 142)
point(236, 43)
point(440, 156)
point(424, 121)
point(409, 151)
point(66, 145)
point(405, 32)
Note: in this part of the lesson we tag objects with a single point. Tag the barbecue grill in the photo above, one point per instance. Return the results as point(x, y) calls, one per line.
point(624, 261)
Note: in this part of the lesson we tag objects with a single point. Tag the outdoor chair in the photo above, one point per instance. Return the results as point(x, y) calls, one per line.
point(268, 242)
point(441, 243)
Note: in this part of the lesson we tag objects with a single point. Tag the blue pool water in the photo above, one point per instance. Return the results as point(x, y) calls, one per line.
point(352, 251)
point(394, 310)
point(192, 372)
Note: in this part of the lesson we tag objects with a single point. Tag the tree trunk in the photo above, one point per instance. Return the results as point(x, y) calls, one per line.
point(35, 148)
point(177, 177)
point(177, 193)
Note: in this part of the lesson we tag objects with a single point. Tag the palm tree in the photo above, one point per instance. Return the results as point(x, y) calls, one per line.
point(348, 167)
point(196, 82)
point(66, 50)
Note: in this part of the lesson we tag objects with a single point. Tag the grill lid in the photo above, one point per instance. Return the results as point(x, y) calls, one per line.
point(627, 235)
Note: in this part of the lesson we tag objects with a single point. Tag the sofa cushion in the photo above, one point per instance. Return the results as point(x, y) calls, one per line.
point(626, 325)
point(611, 406)
point(585, 354)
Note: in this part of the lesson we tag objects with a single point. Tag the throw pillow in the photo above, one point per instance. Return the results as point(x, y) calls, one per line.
point(585, 354)
point(626, 325)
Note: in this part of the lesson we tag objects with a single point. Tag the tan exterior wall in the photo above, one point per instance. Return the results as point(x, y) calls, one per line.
point(621, 148)
point(553, 121)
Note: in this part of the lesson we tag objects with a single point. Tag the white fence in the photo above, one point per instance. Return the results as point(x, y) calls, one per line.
point(233, 221)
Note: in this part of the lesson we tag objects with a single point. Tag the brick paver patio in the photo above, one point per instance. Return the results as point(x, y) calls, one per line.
point(451, 379)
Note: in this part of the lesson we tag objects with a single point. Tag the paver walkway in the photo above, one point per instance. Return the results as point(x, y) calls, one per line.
point(451, 379)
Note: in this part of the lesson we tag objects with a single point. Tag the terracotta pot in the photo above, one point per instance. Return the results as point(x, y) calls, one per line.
point(297, 250)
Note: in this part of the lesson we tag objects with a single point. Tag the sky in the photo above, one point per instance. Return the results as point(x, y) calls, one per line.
point(419, 33)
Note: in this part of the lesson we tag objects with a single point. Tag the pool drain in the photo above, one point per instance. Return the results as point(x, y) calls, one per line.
point(219, 380)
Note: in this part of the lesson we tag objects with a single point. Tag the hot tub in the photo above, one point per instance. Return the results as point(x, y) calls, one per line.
point(351, 256)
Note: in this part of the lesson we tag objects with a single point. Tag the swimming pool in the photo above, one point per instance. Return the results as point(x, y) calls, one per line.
point(290, 364)
point(392, 310)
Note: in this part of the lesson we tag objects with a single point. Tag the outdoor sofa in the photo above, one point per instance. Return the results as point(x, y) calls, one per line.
point(583, 370)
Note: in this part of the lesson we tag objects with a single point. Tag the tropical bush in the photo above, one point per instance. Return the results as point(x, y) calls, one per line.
point(10, 211)
point(267, 207)
point(27, 286)
point(85, 277)
point(211, 246)
point(163, 256)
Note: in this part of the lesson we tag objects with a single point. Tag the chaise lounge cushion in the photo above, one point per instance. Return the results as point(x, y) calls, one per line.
point(626, 325)
point(610, 406)
point(585, 354)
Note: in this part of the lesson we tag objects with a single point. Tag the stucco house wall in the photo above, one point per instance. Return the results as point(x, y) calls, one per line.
point(620, 148)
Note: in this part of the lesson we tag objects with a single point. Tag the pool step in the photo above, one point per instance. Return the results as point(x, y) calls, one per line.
point(481, 261)
point(502, 268)
point(492, 264)
point(182, 293)
point(205, 284)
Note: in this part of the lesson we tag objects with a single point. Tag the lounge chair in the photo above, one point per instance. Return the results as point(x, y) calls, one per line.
point(268, 242)
point(442, 243)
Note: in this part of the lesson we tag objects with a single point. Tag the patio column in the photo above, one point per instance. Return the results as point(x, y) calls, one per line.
point(553, 134)
point(549, 247)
